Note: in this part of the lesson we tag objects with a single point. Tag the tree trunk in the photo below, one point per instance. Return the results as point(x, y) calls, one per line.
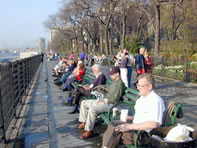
point(82, 46)
point(106, 42)
point(157, 30)
point(123, 33)
point(76, 44)
point(101, 39)
point(70, 45)
point(101, 44)
point(110, 36)
point(173, 23)
point(89, 48)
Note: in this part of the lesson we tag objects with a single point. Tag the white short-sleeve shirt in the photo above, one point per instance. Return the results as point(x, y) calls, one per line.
point(149, 108)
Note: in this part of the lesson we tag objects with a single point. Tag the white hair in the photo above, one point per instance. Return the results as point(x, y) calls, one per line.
point(79, 62)
point(97, 66)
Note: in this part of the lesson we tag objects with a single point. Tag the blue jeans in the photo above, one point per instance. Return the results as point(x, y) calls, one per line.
point(70, 100)
point(129, 75)
point(64, 77)
point(67, 84)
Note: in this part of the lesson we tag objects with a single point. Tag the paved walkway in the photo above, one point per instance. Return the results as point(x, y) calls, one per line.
point(48, 124)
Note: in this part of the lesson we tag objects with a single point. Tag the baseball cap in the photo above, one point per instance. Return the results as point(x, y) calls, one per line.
point(114, 70)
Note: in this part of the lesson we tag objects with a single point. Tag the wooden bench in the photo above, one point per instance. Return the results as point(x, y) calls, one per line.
point(106, 61)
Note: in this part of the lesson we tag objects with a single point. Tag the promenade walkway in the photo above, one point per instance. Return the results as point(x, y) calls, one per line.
point(48, 124)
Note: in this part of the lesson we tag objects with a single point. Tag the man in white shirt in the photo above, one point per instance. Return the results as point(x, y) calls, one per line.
point(149, 109)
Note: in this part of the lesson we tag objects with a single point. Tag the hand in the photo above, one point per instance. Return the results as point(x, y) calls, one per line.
point(122, 128)
point(86, 87)
point(99, 102)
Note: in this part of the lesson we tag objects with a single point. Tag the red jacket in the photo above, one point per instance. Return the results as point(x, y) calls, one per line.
point(148, 64)
point(81, 74)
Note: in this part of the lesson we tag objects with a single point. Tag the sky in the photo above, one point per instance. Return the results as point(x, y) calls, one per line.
point(21, 21)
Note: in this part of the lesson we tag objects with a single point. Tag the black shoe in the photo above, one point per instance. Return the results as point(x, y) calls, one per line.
point(55, 80)
point(65, 89)
point(58, 83)
point(54, 75)
point(73, 112)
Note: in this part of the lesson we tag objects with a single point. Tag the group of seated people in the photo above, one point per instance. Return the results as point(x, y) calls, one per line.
point(149, 108)
point(68, 70)
point(99, 58)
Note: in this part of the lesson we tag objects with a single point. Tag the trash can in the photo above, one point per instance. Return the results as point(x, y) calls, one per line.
point(163, 131)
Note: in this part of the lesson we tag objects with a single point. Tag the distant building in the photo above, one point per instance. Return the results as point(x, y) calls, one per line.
point(41, 44)
point(53, 33)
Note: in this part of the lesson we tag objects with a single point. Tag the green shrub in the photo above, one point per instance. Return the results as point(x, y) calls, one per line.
point(132, 44)
point(177, 48)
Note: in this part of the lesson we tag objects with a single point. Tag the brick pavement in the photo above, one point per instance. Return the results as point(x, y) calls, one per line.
point(48, 124)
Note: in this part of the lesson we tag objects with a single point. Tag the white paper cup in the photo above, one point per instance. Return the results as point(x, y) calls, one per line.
point(123, 115)
point(115, 110)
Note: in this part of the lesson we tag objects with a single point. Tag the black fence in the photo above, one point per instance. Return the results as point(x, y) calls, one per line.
point(15, 80)
point(181, 69)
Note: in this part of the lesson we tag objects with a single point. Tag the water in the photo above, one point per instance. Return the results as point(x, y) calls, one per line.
point(7, 59)
point(8, 56)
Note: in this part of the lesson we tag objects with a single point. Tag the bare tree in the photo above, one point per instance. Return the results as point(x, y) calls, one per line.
point(120, 19)
point(102, 11)
point(152, 9)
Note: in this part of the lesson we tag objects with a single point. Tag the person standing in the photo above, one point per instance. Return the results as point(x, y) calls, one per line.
point(131, 61)
point(123, 67)
point(42, 57)
point(148, 62)
point(71, 56)
point(82, 56)
point(139, 62)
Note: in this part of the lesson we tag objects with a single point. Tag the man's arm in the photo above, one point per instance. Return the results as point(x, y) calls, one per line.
point(137, 126)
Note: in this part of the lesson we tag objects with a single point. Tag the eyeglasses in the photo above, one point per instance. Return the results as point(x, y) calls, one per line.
point(141, 86)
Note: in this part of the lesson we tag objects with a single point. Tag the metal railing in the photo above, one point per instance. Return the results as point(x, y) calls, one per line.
point(15, 80)
point(181, 69)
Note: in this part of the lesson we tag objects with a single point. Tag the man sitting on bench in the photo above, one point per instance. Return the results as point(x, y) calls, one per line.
point(89, 109)
point(149, 109)
point(85, 90)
